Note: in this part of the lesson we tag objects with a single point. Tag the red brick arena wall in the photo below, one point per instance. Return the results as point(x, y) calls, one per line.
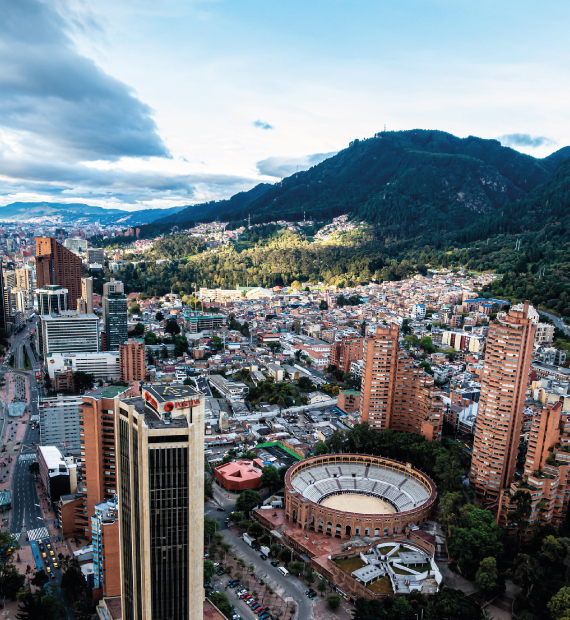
point(313, 516)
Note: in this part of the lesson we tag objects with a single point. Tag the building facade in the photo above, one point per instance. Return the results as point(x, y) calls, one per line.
point(52, 299)
point(132, 360)
point(504, 383)
point(106, 556)
point(396, 392)
point(115, 317)
point(160, 440)
point(55, 264)
point(104, 365)
point(345, 351)
point(59, 423)
point(69, 331)
point(85, 304)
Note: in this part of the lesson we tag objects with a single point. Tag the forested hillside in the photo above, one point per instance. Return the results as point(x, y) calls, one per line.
point(406, 182)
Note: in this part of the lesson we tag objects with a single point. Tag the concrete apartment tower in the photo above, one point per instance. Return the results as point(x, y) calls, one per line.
point(160, 444)
point(132, 360)
point(85, 302)
point(396, 392)
point(345, 351)
point(115, 315)
point(55, 264)
point(503, 388)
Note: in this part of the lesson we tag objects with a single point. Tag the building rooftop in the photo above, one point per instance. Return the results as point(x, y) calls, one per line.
point(170, 392)
point(108, 391)
point(52, 457)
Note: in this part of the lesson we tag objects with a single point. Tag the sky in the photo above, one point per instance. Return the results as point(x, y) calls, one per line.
point(145, 104)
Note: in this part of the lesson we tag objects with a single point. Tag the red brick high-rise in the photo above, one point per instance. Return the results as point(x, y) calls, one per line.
point(55, 264)
point(503, 390)
point(396, 392)
point(345, 351)
point(132, 360)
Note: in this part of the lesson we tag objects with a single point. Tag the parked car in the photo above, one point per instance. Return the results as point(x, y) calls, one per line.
point(274, 563)
point(263, 556)
point(220, 571)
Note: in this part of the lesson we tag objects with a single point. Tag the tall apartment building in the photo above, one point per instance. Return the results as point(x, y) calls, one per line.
point(396, 392)
point(85, 302)
point(52, 299)
point(59, 423)
point(345, 351)
point(106, 556)
point(9, 278)
point(132, 359)
point(115, 317)
point(55, 264)
point(68, 331)
point(97, 429)
point(160, 441)
point(546, 473)
point(504, 382)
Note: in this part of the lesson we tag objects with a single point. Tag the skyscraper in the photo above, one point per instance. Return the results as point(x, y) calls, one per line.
point(503, 388)
point(68, 332)
point(55, 264)
point(396, 392)
point(115, 317)
point(160, 445)
point(132, 357)
point(3, 322)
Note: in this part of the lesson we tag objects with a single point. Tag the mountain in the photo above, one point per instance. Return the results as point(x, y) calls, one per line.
point(406, 183)
point(78, 213)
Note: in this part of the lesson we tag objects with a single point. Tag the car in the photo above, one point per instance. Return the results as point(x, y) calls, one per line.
point(44, 554)
point(251, 602)
point(207, 585)
point(48, 569)
point(220, 571)
point(55, 564)
point(274, 563)
point(221, 509)
point(258, 610)
point(310, 591)
point(245, 595)
point(233, 584)
point(312, 595)
point(263, 556)
point(48, 545)
point(265, 615)
point(51, 552)
point(52, 576)
point(227, 520)
point(206, 556)
point(216, 564)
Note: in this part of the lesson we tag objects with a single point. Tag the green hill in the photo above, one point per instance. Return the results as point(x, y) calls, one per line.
point(406, 182)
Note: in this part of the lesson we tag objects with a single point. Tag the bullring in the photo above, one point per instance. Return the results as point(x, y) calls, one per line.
point(347, 495)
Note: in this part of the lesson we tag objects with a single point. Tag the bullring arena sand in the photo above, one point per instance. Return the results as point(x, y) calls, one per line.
point(356, 502)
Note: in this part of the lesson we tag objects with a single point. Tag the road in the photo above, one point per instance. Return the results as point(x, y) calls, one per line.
point(287, 587)
point(558, 322)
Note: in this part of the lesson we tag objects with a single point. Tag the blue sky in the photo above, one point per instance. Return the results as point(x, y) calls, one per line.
point(138, 103)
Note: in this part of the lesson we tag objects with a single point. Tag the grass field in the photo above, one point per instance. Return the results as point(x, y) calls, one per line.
point(348, 565)
point(381, 586)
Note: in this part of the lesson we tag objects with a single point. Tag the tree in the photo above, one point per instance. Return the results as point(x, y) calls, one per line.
point(83, 381)
point(426, 344)
point(322, 585)
point(134, 308)
point(39, 579)
point(270, 478)
point(189, 381)
point(559, 605)
point(337, 441)
point(305, 384)
point(274, 346)
point(39, 606)
point(172, 327)
point(320, 448)
point(211, 526)
point(73, 581)
point(11, 583)
point(411, 341)
point(138, 329)
point(159, 316)
point(406, 329)
point(487, 577)
point(150, 338)
point(275, 549)
point(284, 555)
point(255, 529)
point(34, 468)
point(323, 305)
point(248, 500)
point(333, 601)
point(222, 602)
point(208, 486)
point(236, 516)
point(454, 605)
point(296, 568)
point(296, 285)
